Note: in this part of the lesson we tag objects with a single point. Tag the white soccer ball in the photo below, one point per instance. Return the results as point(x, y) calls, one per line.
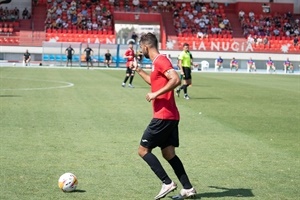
point(67, 182)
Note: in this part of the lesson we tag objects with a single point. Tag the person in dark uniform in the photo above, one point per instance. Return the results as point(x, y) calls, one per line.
point(107, 59)
point(88, 56)
point(26, 58)
point(69, 52)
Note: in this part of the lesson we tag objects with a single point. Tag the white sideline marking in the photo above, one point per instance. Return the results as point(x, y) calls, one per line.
point(66, 84)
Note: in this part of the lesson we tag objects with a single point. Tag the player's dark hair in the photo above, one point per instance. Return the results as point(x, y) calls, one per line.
point(186, 44)
point(150, 40)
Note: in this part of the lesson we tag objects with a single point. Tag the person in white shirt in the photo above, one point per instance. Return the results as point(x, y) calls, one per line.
point(241, 14)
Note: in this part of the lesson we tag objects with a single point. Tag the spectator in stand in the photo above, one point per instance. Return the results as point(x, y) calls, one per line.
point(212, 5)
point(89, 24)
point(84, 12)
point(276, 32)
point(73, 4)
point(234, 64)
point(59, 10)
point(17, 13)
point(58, 22)
point(241, 14)
point(259, 40)
point(25, 14)
point(64, 5)
point(98, 9)
point(111, 2)
point(250, 39)
point(95, 25)
point(266, 41)
point(135, 3)
point(251, 16)
point(297, 31)
point(270, 64)
point(296, 41)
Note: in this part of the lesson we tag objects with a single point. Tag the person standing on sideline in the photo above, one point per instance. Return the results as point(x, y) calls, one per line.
point(184, 64)
point(129, 55)
point(270, 64)
point(69, 52)
point(234, 64)
point(88, 56)
point(107, 59)
point(162, 130)
point(26, 58)
point(219, 63)
point(288, 66)
point(251, 65)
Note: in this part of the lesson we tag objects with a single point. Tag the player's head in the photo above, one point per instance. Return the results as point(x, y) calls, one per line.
point(287, 59)
point(148, 41)
point(130, 45)
point(186, 47)
point(26, 50)
point(107, 51)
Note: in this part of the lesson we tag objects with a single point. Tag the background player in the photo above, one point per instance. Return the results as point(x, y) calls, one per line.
point(69, 52)
point(270, 64)
point(251, 65)
point(219, 63)
point(234, 64)
point(88, 56)
point(107, 58)
point(129, 55)
point(26, 58)
point(184, 64)
point(288, 66)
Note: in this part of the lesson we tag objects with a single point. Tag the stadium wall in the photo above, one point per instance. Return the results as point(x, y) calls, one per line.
point(13, 55)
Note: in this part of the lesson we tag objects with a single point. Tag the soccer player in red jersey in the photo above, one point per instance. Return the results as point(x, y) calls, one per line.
point(129, 55)
point(163, 129)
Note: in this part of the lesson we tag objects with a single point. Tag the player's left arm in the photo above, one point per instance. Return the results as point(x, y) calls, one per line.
point(173, 82)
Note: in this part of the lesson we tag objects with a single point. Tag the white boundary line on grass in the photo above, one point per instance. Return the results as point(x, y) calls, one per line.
point(66, 84)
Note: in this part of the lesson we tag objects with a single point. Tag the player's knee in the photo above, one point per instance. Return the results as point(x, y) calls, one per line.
point(142, 151)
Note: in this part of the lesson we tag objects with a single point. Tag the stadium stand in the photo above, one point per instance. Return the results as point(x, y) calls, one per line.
point(202, 24)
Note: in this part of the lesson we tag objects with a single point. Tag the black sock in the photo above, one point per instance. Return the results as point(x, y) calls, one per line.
point(131, 79)
point(157, 168)
point(126, 78)
point(180, 172)
point(184, 88)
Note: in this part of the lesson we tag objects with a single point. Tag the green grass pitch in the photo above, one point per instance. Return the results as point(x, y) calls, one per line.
point(239, 135)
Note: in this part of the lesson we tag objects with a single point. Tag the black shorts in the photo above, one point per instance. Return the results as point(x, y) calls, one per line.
point(161, 133)
point(88, 58)
point(187, 73)
point(129, 71)
point(69, 57)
